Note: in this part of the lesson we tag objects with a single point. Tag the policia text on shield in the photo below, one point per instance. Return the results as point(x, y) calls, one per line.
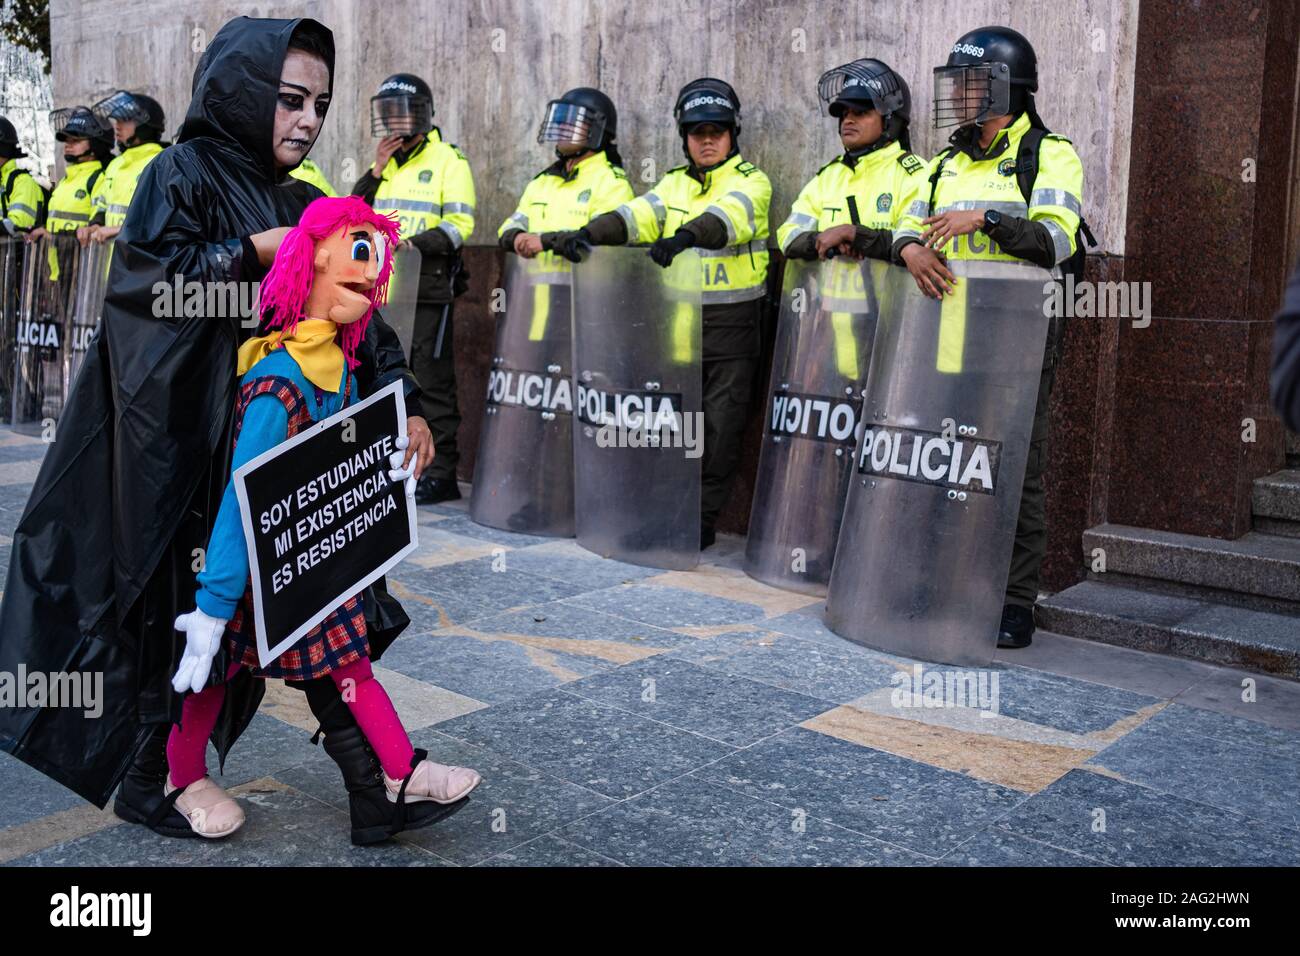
point(716, 203)
point(986, 90)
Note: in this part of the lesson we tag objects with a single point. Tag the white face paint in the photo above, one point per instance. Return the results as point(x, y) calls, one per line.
point(381, 250)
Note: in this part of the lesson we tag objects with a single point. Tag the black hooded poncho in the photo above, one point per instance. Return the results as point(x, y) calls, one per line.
point(106, 553)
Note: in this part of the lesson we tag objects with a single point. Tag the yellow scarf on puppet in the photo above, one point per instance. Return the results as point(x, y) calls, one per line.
point(311, 344)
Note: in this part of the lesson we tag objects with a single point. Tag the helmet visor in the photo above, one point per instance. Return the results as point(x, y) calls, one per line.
point(402, 114)
point(859, 85)
point(970, 94)
point(121, 106)
point(59, 120)
point(567, 123)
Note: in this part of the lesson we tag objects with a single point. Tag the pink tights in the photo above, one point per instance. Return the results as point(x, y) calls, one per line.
point(366, 698)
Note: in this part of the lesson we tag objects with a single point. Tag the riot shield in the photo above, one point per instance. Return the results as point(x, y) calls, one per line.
point(403, 290)
point(638, 436)
point(49, 286)
point(823, 347)
point(11, 274)
point(523, 478)
point(930, 517)
point(88, 306)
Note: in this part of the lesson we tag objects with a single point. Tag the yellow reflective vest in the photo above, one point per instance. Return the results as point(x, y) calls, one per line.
point(881, 187)
point(122, 176)
point(21, 202)
point(875, 190)
point(433, 189)
point(556, 200)
point(990, 183)
point(309, 172)
point(72, 203)
point(738, 193)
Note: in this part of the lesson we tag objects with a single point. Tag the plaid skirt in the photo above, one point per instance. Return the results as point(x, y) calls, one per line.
point(337, 641)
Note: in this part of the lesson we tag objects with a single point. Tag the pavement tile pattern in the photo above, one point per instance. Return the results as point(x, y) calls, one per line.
point(625, 716)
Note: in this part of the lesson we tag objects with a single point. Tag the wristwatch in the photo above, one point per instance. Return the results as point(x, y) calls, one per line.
point(992, 219)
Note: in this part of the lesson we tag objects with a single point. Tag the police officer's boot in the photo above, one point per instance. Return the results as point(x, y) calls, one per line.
point(140, 799)
point(430, 491)
point(1017, 628)
point(374, 816)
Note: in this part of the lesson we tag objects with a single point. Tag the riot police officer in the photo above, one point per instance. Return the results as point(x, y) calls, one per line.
point(716, 202)
point(22, 201)
point(586, 179)
point(855, 200)
point(428, 185)
point(1005, 189)
point(87, 146)
point(138, 122)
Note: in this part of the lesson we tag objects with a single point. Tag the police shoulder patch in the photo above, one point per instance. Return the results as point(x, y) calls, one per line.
point(618, 171)
point(456, 149)
point(426, 175)
point(745, 167)
point(1063, 139)
point(911, 163)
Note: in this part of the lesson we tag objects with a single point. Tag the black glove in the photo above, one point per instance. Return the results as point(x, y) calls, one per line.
point(663, 251)
point(574, 245)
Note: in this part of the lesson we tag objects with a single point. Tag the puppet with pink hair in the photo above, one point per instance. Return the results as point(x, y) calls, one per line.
point(330, 271)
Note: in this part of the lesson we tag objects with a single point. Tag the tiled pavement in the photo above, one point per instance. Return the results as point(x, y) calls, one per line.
point(625, 716)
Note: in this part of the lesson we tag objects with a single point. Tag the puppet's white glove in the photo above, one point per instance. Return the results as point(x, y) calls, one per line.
point(397, 472)
point(202, 638)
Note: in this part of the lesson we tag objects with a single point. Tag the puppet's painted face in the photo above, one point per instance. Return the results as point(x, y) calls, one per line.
point(347, 265)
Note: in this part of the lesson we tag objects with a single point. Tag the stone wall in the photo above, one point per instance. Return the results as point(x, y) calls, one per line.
point(494, 63)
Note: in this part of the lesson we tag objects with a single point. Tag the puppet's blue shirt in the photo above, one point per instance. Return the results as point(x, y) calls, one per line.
point(266, 424)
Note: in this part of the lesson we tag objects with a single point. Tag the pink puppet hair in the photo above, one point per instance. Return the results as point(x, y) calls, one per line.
point(286, 287)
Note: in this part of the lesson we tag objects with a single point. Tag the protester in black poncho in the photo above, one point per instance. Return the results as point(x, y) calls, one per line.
point(106, 552)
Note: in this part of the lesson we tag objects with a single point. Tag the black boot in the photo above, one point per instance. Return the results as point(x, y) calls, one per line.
point(1017, 628)
point(707, 536)
point(374, 816)
point(430, 491)
point(140, 798)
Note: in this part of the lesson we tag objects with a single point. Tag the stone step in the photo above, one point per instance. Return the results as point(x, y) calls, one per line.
point(1264, 568)
point(1182, 626)
point(1275, 503)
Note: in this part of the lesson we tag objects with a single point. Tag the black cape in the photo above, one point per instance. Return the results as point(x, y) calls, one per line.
point(105, 555)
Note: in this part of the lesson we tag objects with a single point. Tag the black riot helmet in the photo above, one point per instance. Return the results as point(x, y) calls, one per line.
point(9, 147)
point(402, 107)
point(582, 116)
point(145, 111)
point(707, 100)
point(990, 72)
point(865, 84)
point(81, 123)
